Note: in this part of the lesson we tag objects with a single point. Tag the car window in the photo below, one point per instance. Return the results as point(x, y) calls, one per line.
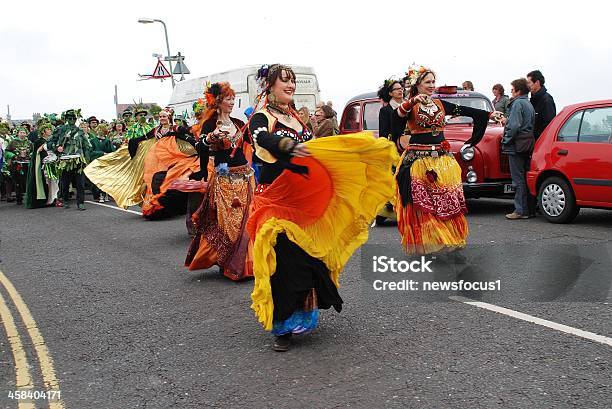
point(596, 126)
point(479, 103)
point(351, 117)
point(569, 131)
point(370, 115)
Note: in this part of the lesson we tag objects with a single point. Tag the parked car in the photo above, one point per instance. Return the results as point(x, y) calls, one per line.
point(484, 169)
point(571, 165)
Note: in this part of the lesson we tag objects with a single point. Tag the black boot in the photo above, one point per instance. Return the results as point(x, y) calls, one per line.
point(282, 343)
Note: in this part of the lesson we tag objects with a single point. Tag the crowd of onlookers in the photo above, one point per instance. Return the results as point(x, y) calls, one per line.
point(19, 146)
point(524, 121)
point(323, 122)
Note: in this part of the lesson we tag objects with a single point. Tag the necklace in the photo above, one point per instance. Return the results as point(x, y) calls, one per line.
point(282, 110)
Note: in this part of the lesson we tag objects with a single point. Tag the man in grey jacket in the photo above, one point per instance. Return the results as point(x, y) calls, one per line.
point(520, 120)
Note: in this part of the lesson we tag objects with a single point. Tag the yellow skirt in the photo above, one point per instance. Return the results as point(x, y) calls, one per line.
point(120, 176)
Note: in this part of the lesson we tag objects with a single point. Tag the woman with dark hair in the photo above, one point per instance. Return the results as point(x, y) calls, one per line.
point(220, 236)
point(392, 95)
point(501, 100)
point(430, 203)
point(325, 122)
point(117, 134)
point(312, 208)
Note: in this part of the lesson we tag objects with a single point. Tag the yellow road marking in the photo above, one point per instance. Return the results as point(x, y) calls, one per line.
point(44, 358)
point(22, 369)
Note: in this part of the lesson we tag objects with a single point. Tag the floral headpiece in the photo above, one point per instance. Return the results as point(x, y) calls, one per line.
point(416, 72)
point(213, 91)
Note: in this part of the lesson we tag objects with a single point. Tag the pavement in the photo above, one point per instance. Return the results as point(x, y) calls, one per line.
point(124, 325)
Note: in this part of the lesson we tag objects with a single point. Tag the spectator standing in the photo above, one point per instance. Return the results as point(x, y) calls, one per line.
point(501, 100)
point(542, 101)
point(468, 86)
point(325, 121)
point(392, 95)
point(519, 123)
point(304, 115)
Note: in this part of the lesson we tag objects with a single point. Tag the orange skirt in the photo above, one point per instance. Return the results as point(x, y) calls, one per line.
point(221, 238)
point(170, 159)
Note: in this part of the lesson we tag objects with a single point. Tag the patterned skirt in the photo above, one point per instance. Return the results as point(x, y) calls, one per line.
point(430, 203)
point(220, 236)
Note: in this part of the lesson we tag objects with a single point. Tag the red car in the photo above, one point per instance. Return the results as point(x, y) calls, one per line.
point(571, 165)
point(485, 171)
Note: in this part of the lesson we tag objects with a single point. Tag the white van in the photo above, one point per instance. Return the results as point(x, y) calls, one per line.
point(243, 82)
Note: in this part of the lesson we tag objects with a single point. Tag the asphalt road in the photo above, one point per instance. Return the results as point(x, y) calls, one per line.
point(127, 327)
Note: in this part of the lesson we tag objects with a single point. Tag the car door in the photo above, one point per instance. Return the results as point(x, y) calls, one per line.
point(583, 151)
point(370, 116)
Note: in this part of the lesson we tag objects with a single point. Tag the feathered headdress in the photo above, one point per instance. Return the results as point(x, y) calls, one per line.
point(416, 72)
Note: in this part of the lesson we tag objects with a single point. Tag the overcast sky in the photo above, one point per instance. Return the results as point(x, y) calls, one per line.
point(63, 54)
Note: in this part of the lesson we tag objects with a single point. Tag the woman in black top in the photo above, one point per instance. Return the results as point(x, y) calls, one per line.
point(311, 210)
point(391, 93)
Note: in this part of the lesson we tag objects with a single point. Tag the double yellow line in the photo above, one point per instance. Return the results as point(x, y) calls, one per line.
point(24, 380)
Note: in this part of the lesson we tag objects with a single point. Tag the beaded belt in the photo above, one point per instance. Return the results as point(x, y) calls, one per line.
point(415, 151)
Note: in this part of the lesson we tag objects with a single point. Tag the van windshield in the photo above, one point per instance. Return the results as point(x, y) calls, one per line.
point(479, 103)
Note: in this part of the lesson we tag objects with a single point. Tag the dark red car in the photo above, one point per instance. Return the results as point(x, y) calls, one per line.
point(571, 165)
point(485, 170)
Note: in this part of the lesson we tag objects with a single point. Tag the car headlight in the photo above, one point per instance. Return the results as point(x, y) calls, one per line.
point(467, 153)
point(471, 177)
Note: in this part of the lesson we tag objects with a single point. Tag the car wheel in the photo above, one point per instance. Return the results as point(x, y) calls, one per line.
point(557, 200)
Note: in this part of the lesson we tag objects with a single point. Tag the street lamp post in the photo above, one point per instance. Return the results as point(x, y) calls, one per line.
point(151, 20)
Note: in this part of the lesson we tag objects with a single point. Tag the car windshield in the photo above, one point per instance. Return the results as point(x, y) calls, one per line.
point(474, 102)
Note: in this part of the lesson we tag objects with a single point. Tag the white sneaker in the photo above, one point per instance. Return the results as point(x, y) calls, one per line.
point(101, 200)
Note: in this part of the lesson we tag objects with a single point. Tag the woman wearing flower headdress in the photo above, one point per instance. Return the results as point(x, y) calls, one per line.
point(430, 203)
point(312, 209)
point(220, 236)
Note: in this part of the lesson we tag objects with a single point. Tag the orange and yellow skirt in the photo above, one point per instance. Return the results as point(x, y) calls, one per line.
point(169, 160)
point(430, 204)
point(316, 222)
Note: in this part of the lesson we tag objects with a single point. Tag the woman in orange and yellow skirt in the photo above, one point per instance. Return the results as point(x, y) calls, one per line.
point(312, 209)
point(430, 204)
